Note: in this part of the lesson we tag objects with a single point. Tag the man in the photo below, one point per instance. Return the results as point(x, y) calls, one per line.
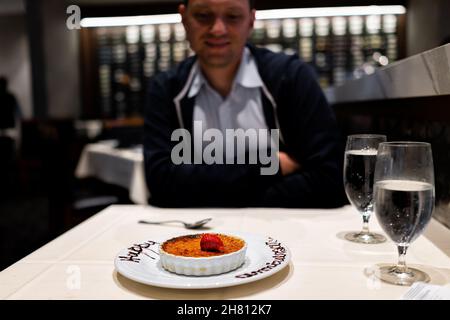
point(231, 85)
point(9, 111)
point(8, 107)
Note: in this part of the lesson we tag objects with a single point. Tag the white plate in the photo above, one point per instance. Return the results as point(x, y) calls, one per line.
point(140, 262)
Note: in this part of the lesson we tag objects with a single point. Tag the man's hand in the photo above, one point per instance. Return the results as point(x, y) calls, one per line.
point(287, 164)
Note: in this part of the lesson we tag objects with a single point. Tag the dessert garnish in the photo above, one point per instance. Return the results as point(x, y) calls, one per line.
point(211, 242)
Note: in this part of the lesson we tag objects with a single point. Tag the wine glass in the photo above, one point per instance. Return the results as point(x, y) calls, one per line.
point(359, 168)
point(404, 201)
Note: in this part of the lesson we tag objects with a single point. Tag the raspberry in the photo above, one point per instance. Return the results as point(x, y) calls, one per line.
point(211, 242)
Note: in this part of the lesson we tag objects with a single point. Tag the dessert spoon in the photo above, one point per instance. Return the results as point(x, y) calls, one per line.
point(194, 225)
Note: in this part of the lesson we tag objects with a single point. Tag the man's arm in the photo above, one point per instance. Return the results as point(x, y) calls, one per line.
point(191, 184)
point(316, 148)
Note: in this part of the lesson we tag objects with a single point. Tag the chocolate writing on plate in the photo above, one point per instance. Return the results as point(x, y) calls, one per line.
point(279, 255)
point(137, 249)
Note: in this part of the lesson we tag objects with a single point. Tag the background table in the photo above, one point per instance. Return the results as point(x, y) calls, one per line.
point(122, 167)
point(323, 265)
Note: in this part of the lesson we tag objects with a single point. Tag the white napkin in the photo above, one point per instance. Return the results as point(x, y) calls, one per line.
point(425, 291)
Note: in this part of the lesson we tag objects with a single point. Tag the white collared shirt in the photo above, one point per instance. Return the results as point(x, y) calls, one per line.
point(241, 109)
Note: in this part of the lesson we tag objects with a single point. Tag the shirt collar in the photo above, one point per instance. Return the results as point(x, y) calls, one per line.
point(247, 75)
point(197, 83)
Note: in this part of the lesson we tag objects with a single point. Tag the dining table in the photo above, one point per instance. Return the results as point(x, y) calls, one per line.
point(107, 161)
point(85, 262)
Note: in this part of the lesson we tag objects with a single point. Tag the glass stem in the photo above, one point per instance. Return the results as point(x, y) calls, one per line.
point(365, 229)
point(401, 265)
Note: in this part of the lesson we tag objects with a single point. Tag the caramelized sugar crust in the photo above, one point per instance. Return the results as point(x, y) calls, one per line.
point(189, 246)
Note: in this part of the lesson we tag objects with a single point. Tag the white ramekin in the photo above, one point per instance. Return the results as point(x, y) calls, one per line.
point(203, 266)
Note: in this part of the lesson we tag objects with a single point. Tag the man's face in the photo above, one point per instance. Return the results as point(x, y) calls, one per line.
point(218, 29)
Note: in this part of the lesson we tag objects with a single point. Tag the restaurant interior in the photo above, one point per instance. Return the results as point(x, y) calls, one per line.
point(78, 82)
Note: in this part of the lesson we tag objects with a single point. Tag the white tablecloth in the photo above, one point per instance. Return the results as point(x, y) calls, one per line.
point(323, 265)
point(122, 167)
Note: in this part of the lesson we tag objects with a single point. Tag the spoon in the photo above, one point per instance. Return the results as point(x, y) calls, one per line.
point(195, 225)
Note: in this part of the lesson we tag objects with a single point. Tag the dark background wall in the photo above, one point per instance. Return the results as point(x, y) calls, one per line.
point(428, 23)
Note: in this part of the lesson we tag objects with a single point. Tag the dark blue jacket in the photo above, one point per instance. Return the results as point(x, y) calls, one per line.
point(292, 101)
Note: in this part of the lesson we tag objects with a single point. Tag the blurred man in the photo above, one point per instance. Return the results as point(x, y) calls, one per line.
point(9, 108)
point(231, 85)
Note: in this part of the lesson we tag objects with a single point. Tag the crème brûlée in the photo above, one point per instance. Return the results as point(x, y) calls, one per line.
point(190, 246)
point(202, 254)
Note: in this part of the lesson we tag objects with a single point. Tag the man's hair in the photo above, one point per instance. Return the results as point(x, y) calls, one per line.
point(250, 2)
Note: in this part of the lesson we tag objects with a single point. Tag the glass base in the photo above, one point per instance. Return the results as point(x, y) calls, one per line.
point(391, 274)
point(368, 238)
